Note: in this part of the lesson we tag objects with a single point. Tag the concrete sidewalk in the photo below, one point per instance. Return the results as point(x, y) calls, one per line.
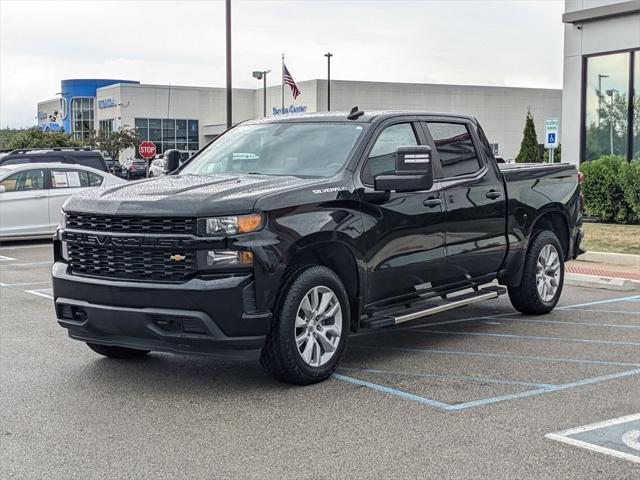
point(605, 270)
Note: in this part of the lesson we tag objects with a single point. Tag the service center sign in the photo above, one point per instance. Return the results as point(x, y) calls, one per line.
point(147, 150)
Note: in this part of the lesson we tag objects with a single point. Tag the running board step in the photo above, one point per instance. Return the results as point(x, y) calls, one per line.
point(406, 315)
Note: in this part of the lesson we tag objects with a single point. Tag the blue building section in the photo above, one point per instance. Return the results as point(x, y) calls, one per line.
point(81, 88)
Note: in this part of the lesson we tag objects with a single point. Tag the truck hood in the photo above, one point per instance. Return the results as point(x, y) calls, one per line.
point(185, 195)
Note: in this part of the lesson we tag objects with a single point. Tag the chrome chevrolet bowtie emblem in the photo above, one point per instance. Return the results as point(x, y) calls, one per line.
point(176, 257)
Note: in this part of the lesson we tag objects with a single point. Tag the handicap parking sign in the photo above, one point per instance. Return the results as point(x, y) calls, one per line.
point(551, 128)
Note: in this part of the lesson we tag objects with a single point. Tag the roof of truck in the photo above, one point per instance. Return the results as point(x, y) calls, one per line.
point(367, 116)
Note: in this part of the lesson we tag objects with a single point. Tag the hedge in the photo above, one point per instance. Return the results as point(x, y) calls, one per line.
point(612, 189)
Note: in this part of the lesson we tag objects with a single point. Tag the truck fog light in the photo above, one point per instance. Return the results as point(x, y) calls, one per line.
point(225, 258)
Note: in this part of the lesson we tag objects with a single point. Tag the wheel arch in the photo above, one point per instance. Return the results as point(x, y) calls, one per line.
point(337, 256)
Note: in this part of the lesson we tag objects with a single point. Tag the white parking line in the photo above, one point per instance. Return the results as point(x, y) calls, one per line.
point(5, 259)
point(564, 437)
point(40, 293)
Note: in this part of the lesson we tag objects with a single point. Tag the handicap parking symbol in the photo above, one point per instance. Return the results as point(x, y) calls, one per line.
point(551, 138)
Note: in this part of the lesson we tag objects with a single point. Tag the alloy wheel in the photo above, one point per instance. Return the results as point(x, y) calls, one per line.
point(548, 273)
point(318, 326)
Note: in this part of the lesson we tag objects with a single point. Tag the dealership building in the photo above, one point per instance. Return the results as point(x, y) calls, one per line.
point(601, 99)
point(189, 117)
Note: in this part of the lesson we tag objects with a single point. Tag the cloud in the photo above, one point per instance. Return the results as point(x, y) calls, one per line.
point(182, 43)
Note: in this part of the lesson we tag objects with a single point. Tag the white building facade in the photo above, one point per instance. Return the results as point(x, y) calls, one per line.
point(601, 84)
point(189, 117)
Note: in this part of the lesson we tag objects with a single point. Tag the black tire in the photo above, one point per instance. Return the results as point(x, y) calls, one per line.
point(526, 298)
point(117, 352)
point(280, 356)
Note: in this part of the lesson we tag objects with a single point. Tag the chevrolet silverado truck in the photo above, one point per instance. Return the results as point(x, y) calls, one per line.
point(286, 235)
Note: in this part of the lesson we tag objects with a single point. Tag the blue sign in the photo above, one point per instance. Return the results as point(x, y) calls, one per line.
point(551, 138)
point(107, 102)
point(289, 109)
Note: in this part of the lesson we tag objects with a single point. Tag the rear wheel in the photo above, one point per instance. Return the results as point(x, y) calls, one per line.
point(310, 329)
point(117, 352)
point(542, 276)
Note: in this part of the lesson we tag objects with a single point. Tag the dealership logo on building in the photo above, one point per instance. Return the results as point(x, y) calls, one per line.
point(290, 109)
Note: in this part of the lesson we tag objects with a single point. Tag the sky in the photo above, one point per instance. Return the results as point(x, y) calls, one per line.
point(182, 42)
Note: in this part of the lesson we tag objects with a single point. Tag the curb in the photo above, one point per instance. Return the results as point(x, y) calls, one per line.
point(611, 258)
point(606, 283)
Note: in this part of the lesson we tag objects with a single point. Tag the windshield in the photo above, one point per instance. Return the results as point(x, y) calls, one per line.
point(300, 149)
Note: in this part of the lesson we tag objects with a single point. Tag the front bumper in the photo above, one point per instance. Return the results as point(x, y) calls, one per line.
point(197, 316)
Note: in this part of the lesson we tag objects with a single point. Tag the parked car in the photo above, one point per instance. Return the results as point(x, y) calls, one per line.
point(114, 166)
point(287, 234)
point(157, 168)
point(79, 156)
point(32, 194)
point(134, 168)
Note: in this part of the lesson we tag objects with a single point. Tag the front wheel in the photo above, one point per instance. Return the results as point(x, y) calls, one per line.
point(542, 276)
point(310, 328)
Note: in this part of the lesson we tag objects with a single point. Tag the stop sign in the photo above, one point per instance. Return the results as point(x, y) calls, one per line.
point(147, 150)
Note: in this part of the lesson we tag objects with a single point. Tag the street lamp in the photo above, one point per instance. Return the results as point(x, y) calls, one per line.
point(600, 77)
point(262, 75)
point(610, 94)
point(227, 11)
point(328, 55)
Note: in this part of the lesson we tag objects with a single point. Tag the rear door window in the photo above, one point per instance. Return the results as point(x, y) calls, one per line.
point(74, 179)
point(455, 149)
point(88, 161)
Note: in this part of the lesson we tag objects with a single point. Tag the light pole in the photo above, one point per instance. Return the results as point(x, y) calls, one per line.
point(328, 55)
point(600, 77)
point(610, 94)
point(262, 75)
point(228, 34)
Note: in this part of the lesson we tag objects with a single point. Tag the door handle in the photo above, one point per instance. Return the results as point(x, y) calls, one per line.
point(432, 202)
point(493, 194)
point(41, 195)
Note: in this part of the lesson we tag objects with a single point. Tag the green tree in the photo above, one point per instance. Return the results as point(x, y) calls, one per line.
point(36, 138)
point(557, 155)
point(113, 143)
point(529, 151)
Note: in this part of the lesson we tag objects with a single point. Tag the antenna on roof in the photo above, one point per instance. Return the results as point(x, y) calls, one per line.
point(355, 113)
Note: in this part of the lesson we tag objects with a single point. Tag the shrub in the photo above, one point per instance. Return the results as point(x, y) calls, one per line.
point(630, 183)
point(603, 190)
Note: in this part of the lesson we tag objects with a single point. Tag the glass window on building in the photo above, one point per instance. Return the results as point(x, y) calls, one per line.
point(82, 118)
point(167, 133)
point(607, 130)
point(635, 155)
point(106, 126)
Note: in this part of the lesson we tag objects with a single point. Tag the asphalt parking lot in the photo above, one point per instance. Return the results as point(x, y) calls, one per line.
point(482, 392)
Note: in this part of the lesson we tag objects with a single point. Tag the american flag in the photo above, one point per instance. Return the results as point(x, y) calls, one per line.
point(288, 80)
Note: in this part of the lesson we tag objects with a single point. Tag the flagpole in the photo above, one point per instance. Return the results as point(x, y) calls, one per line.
point(283, 83)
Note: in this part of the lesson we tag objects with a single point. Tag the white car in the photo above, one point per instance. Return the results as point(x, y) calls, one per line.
point(32, 194)
point(157, 168)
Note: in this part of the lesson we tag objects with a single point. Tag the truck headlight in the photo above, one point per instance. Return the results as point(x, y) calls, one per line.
point(62, 221)
point(231, 225)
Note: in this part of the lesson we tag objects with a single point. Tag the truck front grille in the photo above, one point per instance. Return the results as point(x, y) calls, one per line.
point(131, 224)
point(131, 263)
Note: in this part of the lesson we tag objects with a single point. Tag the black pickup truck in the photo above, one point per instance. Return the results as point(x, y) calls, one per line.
point(285, 235)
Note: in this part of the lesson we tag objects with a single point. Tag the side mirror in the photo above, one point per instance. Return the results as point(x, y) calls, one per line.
point(414, 171)
point(171, 159)
point(2, 189)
